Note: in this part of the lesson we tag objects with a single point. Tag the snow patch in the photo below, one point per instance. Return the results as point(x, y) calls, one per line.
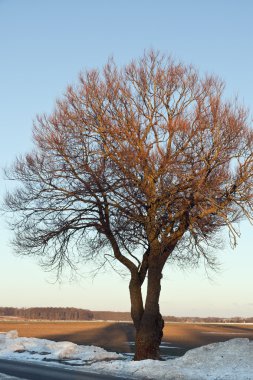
point(12, 334)
point(11, 346)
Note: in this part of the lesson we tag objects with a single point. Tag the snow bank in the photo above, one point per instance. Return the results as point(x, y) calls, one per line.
point(13, 347)
point(230, 360)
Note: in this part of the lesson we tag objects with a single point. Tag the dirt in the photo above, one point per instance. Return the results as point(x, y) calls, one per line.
point(117, 336)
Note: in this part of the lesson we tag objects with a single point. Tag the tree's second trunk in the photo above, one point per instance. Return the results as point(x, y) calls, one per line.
point(150, 331)
point(136, 301)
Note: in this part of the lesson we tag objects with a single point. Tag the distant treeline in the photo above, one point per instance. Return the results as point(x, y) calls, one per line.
point(208, 319)
point(48, 313)
point(74, 314)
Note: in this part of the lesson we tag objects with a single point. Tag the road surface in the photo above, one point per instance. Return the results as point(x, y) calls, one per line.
point(36, 371)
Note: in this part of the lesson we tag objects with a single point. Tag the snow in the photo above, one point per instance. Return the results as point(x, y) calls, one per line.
point(230, 360)
point(11, 346)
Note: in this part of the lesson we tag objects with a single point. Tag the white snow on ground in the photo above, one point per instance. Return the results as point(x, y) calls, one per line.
point(11, 346)
point(230, 360)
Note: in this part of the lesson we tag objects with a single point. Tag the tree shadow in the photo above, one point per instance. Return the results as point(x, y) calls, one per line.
point(115, 337)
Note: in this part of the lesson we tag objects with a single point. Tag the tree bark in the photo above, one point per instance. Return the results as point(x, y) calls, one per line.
point(136, 300)
point(150, 331)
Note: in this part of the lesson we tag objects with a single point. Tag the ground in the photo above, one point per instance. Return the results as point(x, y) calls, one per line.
point(119, 337)
point(229, 360)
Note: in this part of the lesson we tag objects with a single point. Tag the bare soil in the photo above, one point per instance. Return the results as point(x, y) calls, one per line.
point(117, 336)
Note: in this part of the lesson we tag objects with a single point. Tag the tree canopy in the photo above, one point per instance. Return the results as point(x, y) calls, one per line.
point(147, 152)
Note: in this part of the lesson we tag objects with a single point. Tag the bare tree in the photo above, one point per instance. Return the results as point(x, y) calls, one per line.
point(147, 163)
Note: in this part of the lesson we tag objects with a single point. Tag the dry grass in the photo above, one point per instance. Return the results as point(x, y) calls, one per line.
point(115, 336)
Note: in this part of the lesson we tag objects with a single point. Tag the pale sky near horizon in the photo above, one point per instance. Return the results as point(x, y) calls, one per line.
point(44, 46)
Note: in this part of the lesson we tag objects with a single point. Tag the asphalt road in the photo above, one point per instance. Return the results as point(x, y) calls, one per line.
point(36, 371)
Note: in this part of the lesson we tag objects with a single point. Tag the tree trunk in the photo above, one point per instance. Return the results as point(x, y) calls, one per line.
point(150, 331)
point(136, 301)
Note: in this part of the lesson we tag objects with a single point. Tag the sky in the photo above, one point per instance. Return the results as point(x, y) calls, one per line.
point(44, 45)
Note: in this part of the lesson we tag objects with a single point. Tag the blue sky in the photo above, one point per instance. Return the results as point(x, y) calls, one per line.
point(44, 44)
